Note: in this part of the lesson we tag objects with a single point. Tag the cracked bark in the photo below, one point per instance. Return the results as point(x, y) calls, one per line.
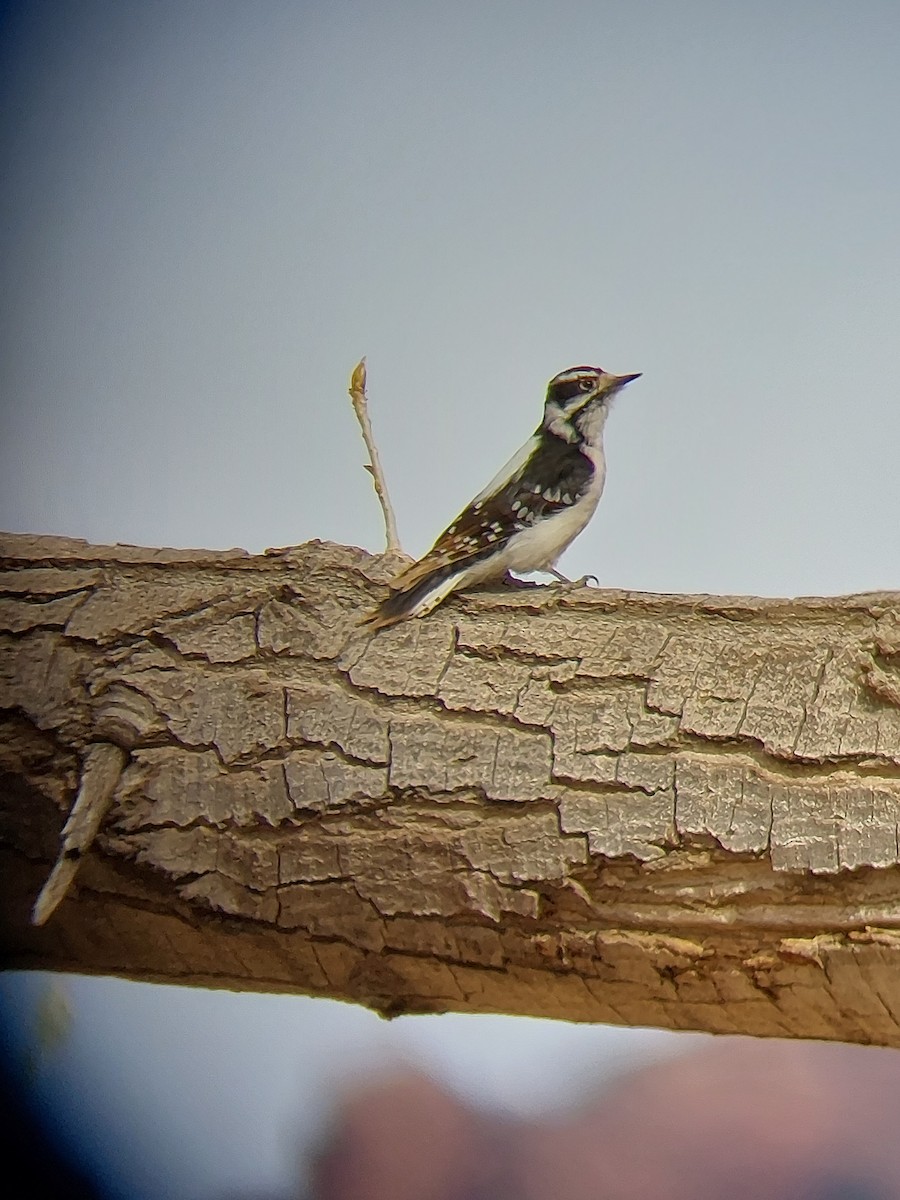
point(653, 810)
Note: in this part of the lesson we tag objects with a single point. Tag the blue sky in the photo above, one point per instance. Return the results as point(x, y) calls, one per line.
point(213, 209)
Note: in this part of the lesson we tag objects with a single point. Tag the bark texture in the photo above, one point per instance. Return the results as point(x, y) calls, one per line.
point(601, 806)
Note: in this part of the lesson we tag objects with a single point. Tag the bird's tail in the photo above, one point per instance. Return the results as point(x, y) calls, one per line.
point(417, 599)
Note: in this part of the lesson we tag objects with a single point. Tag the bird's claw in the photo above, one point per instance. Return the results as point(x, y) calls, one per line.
point(512, 581)
point(583, 582)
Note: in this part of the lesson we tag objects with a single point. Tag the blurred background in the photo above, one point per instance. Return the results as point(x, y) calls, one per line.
point(211, 209)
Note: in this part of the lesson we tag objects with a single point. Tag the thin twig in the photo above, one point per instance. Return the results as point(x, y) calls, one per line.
point(102, 766)
point(373, 466)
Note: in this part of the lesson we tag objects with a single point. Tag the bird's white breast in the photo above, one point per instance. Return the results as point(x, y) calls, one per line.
point(541, 544)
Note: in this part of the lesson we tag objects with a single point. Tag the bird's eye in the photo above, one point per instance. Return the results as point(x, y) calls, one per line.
point(586, 385)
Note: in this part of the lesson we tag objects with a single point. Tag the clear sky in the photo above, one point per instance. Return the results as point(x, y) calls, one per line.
point(212, 208)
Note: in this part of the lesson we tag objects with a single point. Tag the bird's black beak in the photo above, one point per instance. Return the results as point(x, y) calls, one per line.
point(621, 380)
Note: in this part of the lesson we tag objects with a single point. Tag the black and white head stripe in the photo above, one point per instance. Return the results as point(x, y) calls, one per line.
point(575, 384)
point(571, 389)
point(575, 375)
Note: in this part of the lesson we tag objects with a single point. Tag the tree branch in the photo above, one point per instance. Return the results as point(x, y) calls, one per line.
point(595, 805)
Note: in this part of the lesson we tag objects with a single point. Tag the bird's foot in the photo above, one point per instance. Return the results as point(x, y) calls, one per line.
point(572, 584)
point(562, 581)
point(513, 581)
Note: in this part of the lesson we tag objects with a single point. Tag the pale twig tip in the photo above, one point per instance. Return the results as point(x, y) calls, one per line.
point(358, 378)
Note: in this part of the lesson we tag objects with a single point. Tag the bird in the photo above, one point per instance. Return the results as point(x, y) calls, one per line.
point(530, 511)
